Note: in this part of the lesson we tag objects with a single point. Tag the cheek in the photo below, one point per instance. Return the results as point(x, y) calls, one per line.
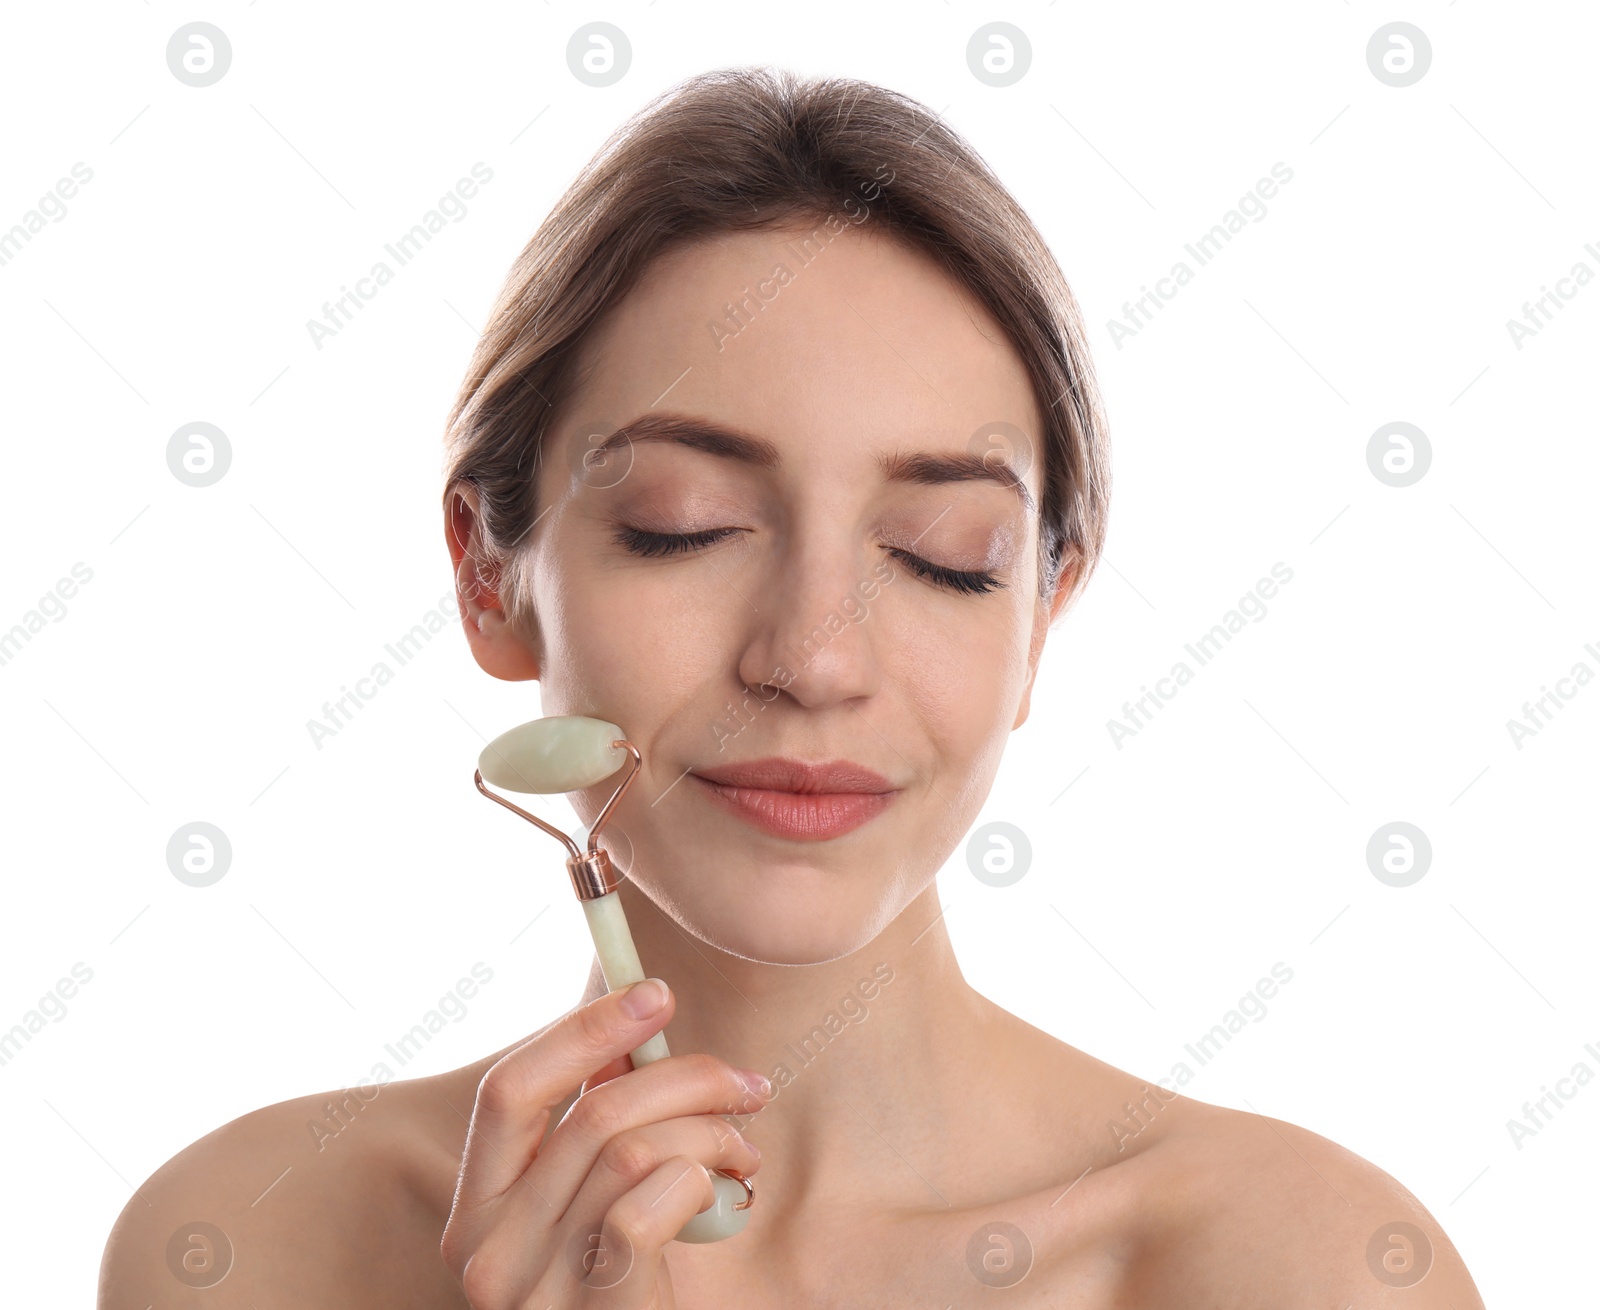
point(963, 674)
point(962, 680)
point(629, 645)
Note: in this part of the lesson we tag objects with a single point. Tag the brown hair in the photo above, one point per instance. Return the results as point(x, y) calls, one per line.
point(746, 148)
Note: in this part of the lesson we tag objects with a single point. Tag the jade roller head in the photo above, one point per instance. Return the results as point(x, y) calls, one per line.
point(559, 754)
point(568, 753)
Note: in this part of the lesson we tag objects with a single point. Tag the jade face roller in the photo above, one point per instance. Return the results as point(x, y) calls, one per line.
point(568, 753)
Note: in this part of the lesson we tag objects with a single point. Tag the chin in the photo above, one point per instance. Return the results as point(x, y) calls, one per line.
point(773, 921)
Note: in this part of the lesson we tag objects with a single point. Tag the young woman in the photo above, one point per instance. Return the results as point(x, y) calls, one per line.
point(783, 450)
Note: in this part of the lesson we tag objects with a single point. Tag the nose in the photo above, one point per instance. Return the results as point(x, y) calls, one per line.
point(817, 631)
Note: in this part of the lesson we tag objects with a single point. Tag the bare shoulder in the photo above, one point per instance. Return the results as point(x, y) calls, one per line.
point(324, 1199)
point(1257, 1211)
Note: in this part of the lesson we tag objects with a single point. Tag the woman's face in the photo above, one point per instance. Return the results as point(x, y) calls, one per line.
point(800, 623)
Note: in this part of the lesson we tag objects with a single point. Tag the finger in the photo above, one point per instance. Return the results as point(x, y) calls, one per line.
point(631, 1157)
point(669, 1088)
point(516, 1095)
point(644, 1220)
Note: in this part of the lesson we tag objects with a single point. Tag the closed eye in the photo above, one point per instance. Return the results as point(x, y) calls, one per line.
point(641, 542)
point(657, 544)
point(971, 584)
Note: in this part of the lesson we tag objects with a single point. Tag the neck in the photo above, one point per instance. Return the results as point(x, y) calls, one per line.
point(862, 1050)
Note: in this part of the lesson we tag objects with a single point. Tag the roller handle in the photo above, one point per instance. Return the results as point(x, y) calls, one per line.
point(619, 962)
point(565, 753)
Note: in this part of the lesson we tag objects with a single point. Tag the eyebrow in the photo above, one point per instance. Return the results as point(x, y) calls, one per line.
point(922, 468)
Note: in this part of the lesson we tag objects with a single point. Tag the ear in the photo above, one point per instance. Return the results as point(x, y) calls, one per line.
point(498, 650)
point(1044, 616)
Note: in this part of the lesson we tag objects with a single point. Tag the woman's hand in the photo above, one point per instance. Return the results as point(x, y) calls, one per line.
point(548, 1225)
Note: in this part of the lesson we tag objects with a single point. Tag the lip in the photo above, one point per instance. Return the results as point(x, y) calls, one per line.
point(777, 773)
point(798, 801)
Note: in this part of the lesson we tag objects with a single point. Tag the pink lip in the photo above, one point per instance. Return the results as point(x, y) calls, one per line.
point(799, 801)
point(775, 773)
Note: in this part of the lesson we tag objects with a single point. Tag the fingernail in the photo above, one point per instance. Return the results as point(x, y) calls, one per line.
point(644, 998)
point(758, 1083)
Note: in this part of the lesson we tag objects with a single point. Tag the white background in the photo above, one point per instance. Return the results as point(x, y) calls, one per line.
point(1167, 875)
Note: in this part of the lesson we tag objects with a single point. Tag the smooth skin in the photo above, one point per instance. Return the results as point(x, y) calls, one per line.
point(889, 1155)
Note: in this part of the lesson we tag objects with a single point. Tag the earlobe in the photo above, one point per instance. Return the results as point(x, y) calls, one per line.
point(499, 650)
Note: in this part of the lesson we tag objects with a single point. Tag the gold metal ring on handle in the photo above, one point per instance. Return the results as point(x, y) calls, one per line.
point(749, 1190)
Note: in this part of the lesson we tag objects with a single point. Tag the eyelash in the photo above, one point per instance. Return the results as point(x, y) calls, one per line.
point(657, 544)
